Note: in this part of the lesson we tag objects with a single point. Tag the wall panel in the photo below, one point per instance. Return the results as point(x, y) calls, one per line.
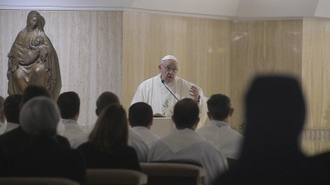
point(259, 47)
point(315, 75)
point(201, 46)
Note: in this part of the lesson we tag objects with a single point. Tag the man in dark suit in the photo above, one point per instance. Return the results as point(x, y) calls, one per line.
point(43, 156)
point(16, 139)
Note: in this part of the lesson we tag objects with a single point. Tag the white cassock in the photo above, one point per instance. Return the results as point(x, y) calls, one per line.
point(146, 136)
point(222, 136)
point(153, 92)
point(135, 141)
point(187, 145)
point(72, 130)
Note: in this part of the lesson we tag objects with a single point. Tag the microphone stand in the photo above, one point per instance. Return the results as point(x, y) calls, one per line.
point(163, 82)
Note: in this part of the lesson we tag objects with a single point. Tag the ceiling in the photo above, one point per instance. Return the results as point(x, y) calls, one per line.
point(221, 9)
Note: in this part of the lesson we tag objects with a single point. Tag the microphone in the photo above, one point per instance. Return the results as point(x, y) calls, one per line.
point(169, 90)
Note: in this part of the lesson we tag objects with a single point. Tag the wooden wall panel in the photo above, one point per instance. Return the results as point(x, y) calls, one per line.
point(259, 47)
point(89, 47)
point(315, 75)
point(201, 46)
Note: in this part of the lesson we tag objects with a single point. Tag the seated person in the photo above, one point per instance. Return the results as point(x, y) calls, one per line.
point(14, 140)
point(69, 104)
point(275, 114)
point(11, 109)
point(107, 144)
point(184, 144)
point(218, 131)
point(43, 156)
point(140, 117)
point(105, 99)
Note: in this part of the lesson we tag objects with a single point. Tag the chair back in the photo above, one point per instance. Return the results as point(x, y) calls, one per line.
point(173, 173)
point(115, 177)
point(36, 181)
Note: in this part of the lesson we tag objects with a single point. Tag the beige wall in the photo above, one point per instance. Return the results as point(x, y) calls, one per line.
point(315, 77)
point(89, 47)
point(261, 47)
point(202, 47)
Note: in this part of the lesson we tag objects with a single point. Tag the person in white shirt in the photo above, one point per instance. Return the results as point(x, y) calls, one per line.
point(69, 105)
point(154, 90)
point(140, 118)
point(11, 112)
point(218, 131)
point(185, 145)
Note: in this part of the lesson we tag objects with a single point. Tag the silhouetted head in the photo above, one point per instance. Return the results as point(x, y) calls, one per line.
point(140, 114)
point(275, 112)
point(32, 91)
point(105, 99)
point(219, 106)
point(186, 114)
point(11, 107)
point(69, 104)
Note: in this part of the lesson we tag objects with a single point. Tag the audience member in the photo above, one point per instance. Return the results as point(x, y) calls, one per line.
point(106, 98)
point(11, 110)
point(44, 157)
point(184, 144)
point(32, 91)
point(135, 140)
point(107, 144)
point(218, 131)
point(140, 117)
point(275, 115)
point(2, 115)
point(69, 104)
point(16, 139)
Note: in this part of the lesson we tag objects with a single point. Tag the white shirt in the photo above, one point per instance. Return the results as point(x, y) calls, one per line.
point(135, 141)
point(8, 127)
point(153, 92)
point(222, 136)
point(146, 136)
point(187, 145)
point(82, 138)
point(72, 130)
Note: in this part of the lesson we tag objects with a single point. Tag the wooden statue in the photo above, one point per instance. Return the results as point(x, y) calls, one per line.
point(33, 59)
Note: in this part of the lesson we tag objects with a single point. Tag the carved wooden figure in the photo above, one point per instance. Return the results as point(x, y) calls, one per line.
point(33, 59)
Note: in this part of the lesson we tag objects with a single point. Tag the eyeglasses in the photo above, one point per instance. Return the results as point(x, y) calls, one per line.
point(168, 69)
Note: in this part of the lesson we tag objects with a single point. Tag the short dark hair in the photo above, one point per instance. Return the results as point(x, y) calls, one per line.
point(105, 99)
point(185, 113)
point(32, 91)
point(11, 107)
point(140, 114)
point(69, 104)
point(219, 106)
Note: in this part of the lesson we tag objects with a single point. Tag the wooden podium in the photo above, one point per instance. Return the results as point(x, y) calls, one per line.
point(162, 126)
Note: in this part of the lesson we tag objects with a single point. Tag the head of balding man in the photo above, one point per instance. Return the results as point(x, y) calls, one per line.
point(105, 99)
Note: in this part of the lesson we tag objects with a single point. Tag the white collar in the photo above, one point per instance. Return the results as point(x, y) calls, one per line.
point(178, 140)
point(219, 123)
point(68, 121)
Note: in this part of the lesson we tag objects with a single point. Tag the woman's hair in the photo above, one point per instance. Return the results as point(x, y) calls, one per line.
point(111, 127)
